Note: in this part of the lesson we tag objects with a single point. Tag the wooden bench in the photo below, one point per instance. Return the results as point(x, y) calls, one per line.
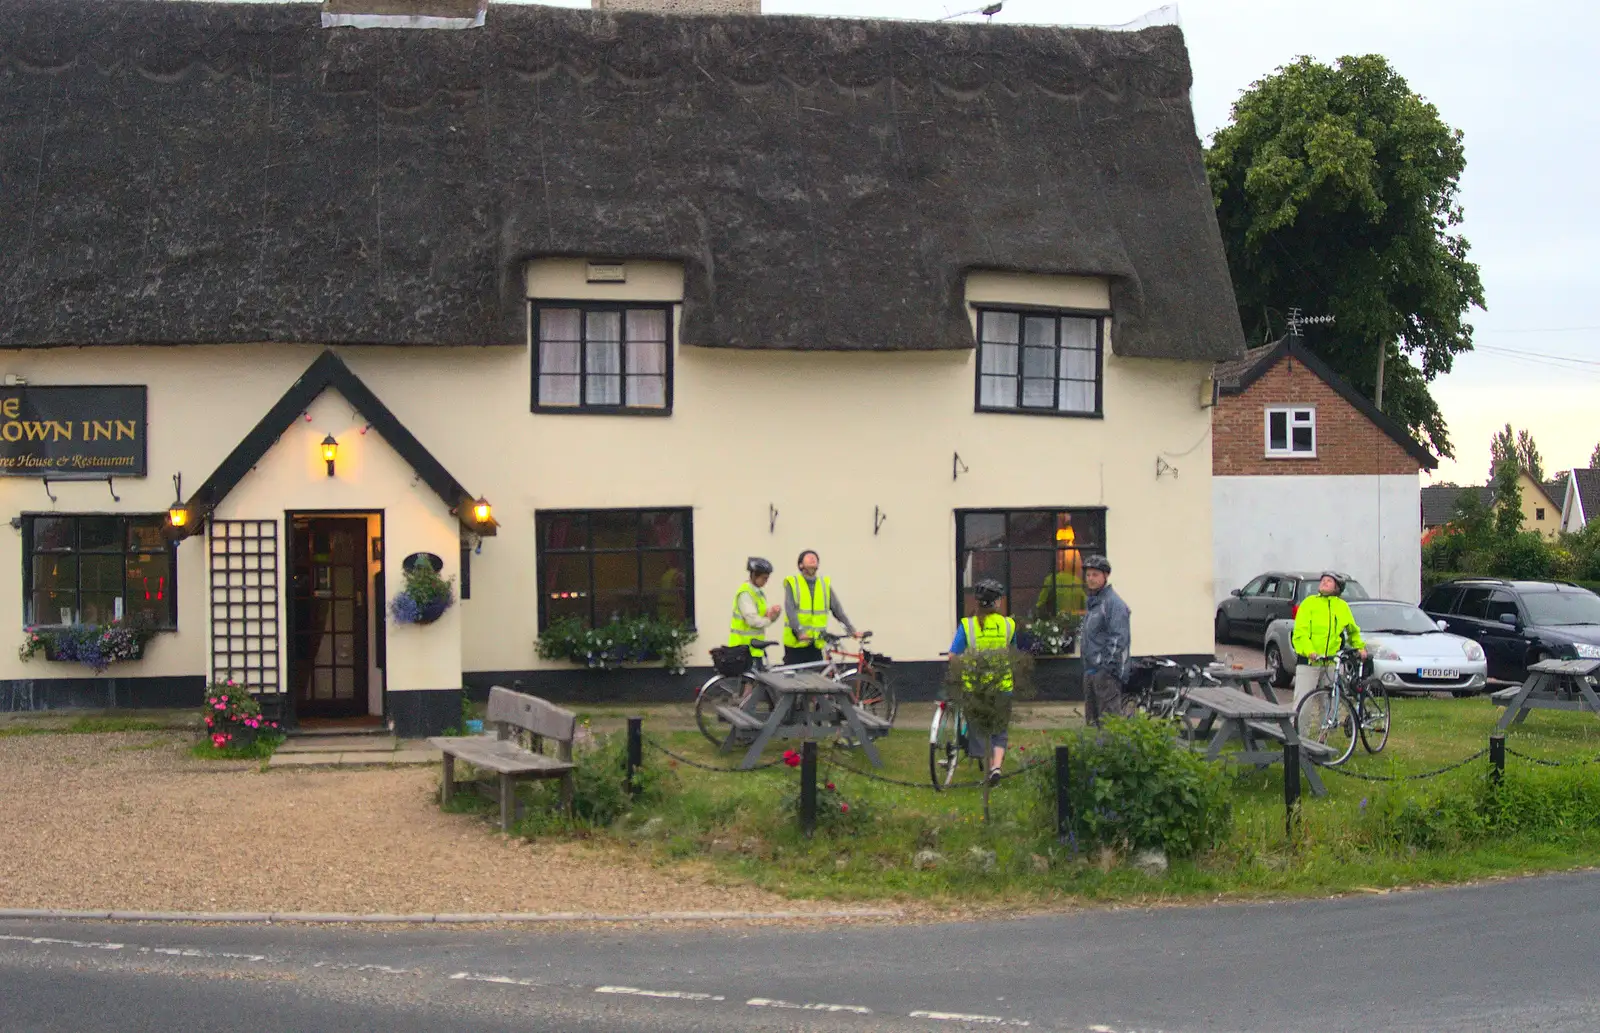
point(1309, 748)
point(522, 724)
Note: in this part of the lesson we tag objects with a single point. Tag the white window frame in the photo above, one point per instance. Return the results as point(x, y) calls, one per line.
point(1290, 423)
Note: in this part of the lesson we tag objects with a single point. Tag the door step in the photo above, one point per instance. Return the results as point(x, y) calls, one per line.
point(348, 753)
point(328, 731)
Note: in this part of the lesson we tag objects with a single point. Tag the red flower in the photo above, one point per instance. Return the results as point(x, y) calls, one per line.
point(829, 787)
point(791, 758)
point(844, 808)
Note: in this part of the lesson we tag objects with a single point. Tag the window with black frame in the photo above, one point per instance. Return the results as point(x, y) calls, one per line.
point(602, 358)
point(98, 569)
point(1039, 362)
point(605, 563)
point(1037, 554)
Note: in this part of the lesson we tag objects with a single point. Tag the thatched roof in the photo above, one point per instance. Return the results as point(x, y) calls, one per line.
point(183, 172)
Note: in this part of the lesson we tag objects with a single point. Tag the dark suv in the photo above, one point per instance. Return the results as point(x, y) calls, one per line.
point(1519, 622)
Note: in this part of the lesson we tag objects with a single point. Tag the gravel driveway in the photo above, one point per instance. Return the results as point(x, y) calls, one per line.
point(131, 821)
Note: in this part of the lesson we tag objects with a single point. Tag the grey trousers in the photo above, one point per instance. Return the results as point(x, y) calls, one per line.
point(1102, 695)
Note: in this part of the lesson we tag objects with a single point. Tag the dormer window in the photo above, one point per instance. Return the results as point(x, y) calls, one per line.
point(602, 358)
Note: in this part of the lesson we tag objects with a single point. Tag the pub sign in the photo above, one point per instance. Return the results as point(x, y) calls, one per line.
point(73, 431)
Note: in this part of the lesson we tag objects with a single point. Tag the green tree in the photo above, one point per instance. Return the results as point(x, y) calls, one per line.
point(1507, 500)
point(1594, 458)
point(1528, 456)
point(1502, 450)
point(1336, 191)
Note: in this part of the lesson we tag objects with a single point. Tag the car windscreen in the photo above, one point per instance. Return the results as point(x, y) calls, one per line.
point(1391, 618)
point(1567, 607)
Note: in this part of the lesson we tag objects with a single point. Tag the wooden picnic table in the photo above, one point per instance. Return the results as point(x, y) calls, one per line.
point(1226, 715)
point(1551, 685)
point(1250, 680)
point(805, 705)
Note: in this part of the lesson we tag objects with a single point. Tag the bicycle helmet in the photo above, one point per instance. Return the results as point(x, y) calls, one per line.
point(988, 591)
point(1338, 580)
point(1098, 562)
point(757, 565)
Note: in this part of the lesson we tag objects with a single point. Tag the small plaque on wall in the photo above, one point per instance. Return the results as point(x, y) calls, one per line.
point(608, 272)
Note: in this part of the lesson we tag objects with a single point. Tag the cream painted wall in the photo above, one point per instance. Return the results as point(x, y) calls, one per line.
point(369, 475)
point(889, 424)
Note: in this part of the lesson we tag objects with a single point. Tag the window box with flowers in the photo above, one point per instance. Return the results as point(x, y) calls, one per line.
point(95, 646)
point(621, 642)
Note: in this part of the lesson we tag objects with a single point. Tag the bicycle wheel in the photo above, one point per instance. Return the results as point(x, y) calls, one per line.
point(1375, 718)
point(871, 691)
point(727, 691)
point(944, 745)
point(1319, 718)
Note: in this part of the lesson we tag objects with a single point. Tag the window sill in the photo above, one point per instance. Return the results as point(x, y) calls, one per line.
point(1096, 415)
point(1290, 455)
point(598, 410)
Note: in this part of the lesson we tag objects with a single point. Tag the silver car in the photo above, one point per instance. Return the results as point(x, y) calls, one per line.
point(1410, 651)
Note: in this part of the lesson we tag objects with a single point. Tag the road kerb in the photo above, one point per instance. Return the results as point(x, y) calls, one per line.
point(339, 918)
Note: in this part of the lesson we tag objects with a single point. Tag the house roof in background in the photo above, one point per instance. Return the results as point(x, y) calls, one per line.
point(1235, 377)
point(1588, 485)
point(237, 172)
point(1439, 501)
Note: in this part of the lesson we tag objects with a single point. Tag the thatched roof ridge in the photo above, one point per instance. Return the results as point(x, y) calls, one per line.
point(187, 172)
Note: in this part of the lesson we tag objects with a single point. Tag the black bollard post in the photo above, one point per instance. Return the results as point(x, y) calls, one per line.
point(1063, 798)
point(635, 752)
point(1497, 757)
point(1291, 788)
point(808, 787)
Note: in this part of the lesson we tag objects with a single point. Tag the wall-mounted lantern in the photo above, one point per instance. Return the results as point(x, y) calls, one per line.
point(330, 451)
point(178, 513)
point(481, 511)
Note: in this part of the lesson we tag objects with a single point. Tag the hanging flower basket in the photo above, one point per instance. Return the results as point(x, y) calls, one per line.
point(425, 597)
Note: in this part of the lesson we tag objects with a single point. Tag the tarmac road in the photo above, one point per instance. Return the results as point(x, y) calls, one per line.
point(1509, 955)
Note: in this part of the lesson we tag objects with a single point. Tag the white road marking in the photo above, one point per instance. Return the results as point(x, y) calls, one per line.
point(763, 1002)
point(43, 940)
point(506, 980)
point(191, 952)
point(951, 1016)
point(676, 995)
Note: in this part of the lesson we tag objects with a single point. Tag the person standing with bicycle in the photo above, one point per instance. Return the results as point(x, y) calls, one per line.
point(807, 602)
point(988, 629)
point(1104, 635)
point(1319, 624)
point(751, 613)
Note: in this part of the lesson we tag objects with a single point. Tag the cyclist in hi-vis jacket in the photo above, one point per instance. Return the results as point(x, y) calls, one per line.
point(1319, 624)
point(985, 630)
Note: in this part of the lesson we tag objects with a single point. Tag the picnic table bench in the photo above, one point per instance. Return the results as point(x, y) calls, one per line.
point(1250, 680)
point(1551, 685)
point(1225, 714)
point(514, 750)
point(805, 705)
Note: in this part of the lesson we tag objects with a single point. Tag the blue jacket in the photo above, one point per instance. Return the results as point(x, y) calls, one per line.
point(1105, 634)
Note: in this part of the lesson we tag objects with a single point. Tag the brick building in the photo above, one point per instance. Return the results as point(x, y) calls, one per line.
point(1308, 474)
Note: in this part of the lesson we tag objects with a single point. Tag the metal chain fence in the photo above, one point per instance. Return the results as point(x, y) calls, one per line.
point(1463, 762)
point(834, 763)
point(1552, 763)
point(708, 767)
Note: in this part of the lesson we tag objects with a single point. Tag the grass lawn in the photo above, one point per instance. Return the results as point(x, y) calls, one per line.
point(1363, 836)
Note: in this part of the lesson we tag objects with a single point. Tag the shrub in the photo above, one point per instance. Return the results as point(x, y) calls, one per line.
point(599, 796)
point(1135, 786)
point(93, 645)
point(976, 680)
point(232, 718)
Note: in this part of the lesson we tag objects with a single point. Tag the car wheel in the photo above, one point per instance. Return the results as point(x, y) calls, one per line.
point(1224, 629)
point(1280, 675)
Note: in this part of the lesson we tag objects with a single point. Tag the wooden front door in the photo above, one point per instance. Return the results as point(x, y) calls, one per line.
point(328, 616)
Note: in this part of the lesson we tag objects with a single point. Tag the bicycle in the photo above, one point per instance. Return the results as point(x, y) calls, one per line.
point(1351, 707)
point(950, 740)
point(870, 687)
point(1160, 697)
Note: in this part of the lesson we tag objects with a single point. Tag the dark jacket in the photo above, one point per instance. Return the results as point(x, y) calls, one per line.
point(1105, 633)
